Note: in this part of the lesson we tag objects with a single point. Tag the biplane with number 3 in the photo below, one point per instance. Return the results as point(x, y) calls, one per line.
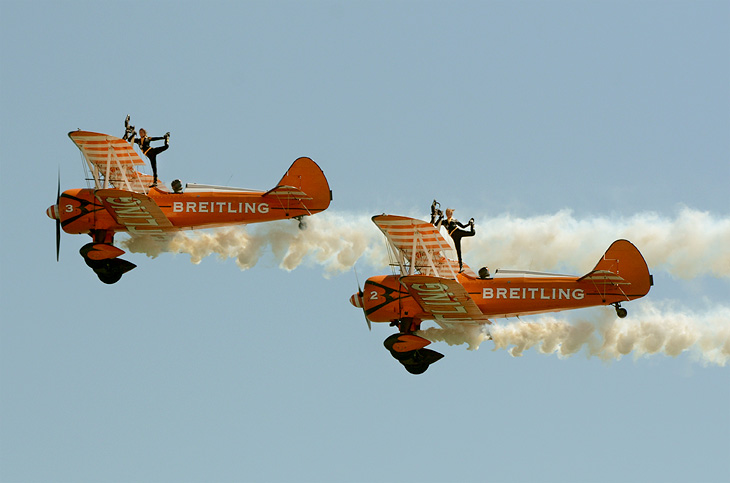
point(122, 200)
point(430, 286)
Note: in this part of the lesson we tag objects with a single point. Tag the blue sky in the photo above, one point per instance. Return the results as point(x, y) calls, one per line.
point(560, 126)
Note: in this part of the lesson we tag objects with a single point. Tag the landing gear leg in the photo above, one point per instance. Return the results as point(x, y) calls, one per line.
point(620, 311)
point(407, 325)
point(409, 349)
point(102, 236)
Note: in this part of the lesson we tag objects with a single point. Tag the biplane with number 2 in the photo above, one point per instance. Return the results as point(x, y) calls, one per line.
point(122, 200)
point(430, 286)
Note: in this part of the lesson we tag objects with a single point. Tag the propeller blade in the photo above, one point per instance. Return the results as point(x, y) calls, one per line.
point(360, 293)
point(354, 269)
point(58, 220)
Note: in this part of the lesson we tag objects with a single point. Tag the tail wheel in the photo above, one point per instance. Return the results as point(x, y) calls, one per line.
point(620, 311)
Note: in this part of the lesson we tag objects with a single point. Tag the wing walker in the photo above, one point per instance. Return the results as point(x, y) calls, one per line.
point(121, 198)
point(430, 286)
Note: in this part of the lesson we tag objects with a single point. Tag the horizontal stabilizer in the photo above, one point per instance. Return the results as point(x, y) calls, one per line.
point(623, 264)
point(288, 193)
point(303, 187)
point(604, 277)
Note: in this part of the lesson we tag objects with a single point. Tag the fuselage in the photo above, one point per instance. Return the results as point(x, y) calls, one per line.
point(84, 210)
point(384, 299)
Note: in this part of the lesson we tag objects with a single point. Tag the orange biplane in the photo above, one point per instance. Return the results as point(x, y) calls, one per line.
point(431, 287)
point(121, 200)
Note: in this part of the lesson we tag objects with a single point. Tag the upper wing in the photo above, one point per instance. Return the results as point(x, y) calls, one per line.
point(113, 161)
point(418, 246)
point(137, 212)
point(445, 299)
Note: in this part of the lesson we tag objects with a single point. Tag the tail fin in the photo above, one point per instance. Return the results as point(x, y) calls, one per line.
point(625, 260)
point(306, 176)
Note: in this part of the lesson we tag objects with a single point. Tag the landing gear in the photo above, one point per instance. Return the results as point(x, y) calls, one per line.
point(408, 349)
point(109, 270)
point(620, 311)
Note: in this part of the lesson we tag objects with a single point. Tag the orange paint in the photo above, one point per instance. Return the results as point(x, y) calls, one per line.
point(385, 299)
point(431, 287)
point(409, 342)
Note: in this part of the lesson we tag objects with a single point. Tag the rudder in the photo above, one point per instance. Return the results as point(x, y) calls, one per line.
point(625, 260)
point(305, 175)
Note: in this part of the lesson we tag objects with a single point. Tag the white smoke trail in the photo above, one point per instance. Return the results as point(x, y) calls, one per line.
point(692, 244)
point(651, 329)
point(331, 240)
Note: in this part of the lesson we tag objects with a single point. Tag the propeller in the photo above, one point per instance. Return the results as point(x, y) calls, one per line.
point(357, 299)
point(58, 218)
point(53, 212)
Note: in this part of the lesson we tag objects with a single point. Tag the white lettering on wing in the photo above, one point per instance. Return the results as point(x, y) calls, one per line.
point(440, 302)
point(129, 212)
